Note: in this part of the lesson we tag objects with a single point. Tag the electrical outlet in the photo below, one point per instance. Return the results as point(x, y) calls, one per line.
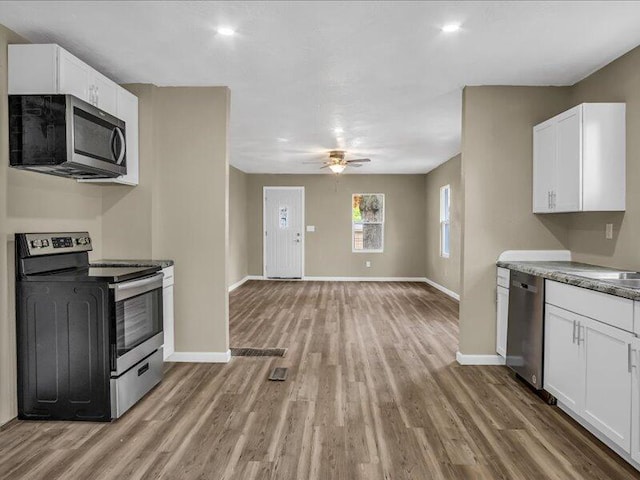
point(608, 231)
point(367, 264)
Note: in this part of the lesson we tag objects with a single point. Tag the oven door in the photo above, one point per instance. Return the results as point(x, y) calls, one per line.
point(97, 139)
point(136, 321)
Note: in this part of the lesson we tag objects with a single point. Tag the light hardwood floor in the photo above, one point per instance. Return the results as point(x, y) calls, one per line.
point(373, 392)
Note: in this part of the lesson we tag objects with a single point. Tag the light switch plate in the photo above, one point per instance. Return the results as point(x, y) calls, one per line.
point(311, 228)
point(368, 264)
point(608, 231)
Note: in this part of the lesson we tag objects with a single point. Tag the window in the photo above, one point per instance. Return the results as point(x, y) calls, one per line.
point(367, 222)
point(445, 220)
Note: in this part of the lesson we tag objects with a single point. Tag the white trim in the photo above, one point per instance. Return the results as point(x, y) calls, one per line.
point(535, 255)
point(445, 219)
point(365, 279)
point(264, 225)
point(233, 286)
point(479, 359)
point(445, 290)
point(200, 357)
point(384, 215)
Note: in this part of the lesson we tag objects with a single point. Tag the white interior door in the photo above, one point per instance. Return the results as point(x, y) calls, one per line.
point(283, 232)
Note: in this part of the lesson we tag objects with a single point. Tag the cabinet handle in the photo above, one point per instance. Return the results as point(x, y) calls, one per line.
point(579, 330)
point(573, 337)
point(553, 199)
point(629, 357)
point(549, 199)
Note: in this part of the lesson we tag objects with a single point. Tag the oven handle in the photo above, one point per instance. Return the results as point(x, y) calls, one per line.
point(125, 290)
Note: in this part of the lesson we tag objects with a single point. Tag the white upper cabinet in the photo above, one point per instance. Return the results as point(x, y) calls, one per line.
point(48, 69)
point(579, 160)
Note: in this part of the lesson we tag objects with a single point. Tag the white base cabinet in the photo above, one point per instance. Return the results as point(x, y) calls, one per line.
point(588, 367)
point(167, 312)
point(502, 310)
point(502, 313)
point(635, 400)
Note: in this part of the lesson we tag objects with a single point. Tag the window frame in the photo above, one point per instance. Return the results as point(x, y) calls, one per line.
point(353, 224)
point(445, 220)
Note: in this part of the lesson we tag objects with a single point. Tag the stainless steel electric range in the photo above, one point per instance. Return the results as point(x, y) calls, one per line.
point(89, 339)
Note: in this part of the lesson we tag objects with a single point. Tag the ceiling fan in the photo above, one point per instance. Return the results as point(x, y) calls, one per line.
point(337, 163)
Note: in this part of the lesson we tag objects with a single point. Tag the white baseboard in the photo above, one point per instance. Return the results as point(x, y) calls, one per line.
point(444, 290)
point(364, 279)
point(200, 357)
point(233, 286)
point(479, 359)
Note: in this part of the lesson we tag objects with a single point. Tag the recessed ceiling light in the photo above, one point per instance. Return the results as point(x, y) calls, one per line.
point(451, 27)
point(338, 130)
point(282, 139)
point(226, 31)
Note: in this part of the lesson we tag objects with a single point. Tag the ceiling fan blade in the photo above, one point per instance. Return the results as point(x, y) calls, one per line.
point(359, 160)
point(325, 166)
point(314, 162)
point(355, 165)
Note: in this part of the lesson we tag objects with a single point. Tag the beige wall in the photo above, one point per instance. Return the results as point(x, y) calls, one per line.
point(617, 82)
point(179, 209)
point(328, 207)
point(31, 202)
point(126, 211)
point(238, 226)
point(190, 210)
point(497, 180)
point(444, 271)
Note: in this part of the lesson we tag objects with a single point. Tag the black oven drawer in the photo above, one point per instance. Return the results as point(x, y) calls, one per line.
point(132, 385)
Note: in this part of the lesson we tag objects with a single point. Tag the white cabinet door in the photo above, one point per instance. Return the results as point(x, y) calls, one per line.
point(635, 399)
point(544, 157)
point(502, 310)
point(127, 110)
point(607, 401)
point(563, 364)
point(168, 326)
point(567, 194)
point(105, 93)
point(74, 76)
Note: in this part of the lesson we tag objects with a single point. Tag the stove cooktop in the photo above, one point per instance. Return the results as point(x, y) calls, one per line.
point(96, 274)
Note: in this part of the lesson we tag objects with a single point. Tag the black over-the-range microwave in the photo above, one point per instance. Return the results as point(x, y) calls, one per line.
point(65, 136)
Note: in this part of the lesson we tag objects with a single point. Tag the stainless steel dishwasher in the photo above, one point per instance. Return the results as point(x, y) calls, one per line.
point(525, 333)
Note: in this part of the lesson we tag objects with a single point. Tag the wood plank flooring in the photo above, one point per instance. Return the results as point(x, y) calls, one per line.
point(373, 392)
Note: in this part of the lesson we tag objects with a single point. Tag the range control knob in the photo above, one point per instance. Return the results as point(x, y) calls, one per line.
point(83, 241)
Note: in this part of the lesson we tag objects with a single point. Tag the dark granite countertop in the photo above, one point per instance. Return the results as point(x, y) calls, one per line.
point(132, 263)
point(568, 272)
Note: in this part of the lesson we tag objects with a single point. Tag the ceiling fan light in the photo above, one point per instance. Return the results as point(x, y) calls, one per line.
point(337, 167)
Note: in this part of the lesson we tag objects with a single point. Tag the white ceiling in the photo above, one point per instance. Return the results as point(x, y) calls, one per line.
point(383, 72)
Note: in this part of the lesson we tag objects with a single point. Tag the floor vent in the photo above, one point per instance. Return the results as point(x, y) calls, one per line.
point(278, 374)
point(258, 352)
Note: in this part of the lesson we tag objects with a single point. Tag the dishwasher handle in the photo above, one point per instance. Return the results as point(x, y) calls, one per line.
point(525, 286)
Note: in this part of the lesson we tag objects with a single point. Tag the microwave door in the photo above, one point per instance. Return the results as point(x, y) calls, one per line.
point(98, 140)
